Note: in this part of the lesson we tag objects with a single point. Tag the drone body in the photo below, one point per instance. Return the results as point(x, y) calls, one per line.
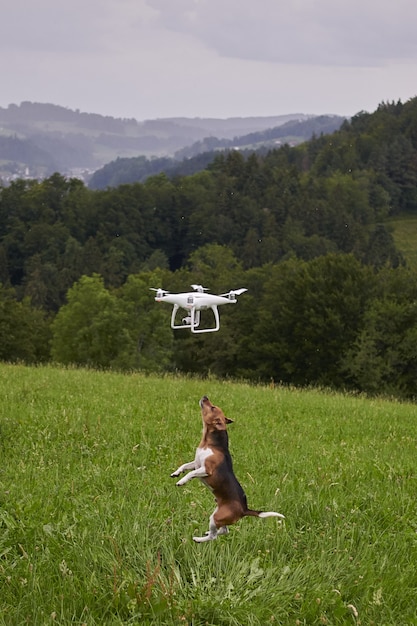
point(193, 302)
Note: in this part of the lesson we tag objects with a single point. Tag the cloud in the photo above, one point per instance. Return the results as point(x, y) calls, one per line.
point(314, 32)
point(46, 26)
point(77, 26)
point(164, 58)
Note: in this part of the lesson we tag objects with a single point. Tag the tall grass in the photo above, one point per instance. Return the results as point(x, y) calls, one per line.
point(94, 531)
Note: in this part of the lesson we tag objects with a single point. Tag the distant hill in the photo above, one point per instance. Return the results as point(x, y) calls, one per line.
point(138, 169)
point(37, 139)
point(197, 157)
point(291, 132)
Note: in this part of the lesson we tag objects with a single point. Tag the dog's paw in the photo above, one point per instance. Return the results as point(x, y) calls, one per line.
point(207, 537)
point(174, 474)
point(181, 482)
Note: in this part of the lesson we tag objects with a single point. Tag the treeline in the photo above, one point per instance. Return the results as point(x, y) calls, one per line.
point(131, 170)
point(40, 112)
point(300, 129)
point(303, 228)
point(331, 321)
point(196, 157)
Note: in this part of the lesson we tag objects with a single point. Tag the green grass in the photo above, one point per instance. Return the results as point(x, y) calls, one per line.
point(94, 531)
point(405, 237)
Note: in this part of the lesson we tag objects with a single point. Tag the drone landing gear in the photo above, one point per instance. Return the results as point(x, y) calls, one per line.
point(192, 321)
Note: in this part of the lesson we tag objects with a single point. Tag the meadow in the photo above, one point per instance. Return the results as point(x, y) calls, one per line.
point(93, 530)
point(404, 231)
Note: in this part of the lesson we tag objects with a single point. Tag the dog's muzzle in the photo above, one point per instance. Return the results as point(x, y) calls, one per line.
point(203, 400)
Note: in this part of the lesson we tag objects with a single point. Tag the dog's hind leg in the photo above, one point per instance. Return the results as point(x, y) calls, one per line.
point(212, 532)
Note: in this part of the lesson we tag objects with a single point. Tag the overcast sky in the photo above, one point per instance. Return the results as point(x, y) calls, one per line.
point(208, 58)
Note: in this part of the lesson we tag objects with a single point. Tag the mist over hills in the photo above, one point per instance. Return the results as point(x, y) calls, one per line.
point(37, 139)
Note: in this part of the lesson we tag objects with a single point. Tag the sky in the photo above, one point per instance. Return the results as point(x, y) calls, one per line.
point(150, 59)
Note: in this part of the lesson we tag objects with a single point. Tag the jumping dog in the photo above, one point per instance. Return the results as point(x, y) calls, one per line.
point(213, 465)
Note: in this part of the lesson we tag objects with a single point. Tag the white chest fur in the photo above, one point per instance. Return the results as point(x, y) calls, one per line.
point(197, 467)
point(201, 455)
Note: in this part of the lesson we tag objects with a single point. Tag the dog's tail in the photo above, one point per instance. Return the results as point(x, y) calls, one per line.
point(262, 514)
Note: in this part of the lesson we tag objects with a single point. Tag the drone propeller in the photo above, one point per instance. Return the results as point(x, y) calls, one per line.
point(159, 291)
point(234, 292)
point(199, 288)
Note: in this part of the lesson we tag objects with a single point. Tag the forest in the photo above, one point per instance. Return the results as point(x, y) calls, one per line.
point(330, 301)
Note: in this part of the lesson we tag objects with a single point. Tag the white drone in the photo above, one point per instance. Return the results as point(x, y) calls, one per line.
point(194, 302)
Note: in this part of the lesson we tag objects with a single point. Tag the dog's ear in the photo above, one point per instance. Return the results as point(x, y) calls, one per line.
point(229, 421)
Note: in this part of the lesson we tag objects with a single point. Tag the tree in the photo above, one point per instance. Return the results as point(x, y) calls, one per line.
point(149, 342)
point(122, 330)
point(4, 266)
point(213, 265)
point(216, 268)
point(383, 358)
point(90, 328)
point(381, 251)
point(309, 314)
point(158, 259)
point(24, 330)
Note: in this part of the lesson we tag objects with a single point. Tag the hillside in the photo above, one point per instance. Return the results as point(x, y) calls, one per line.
point(199, 155)
point(38, 139)
point(308, 230)
point(326, 195)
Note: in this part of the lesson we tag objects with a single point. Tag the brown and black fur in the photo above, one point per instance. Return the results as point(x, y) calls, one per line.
point(214, 466)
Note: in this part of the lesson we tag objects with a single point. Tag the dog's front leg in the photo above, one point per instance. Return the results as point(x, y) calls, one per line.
point(183, 468)
point(197, 473)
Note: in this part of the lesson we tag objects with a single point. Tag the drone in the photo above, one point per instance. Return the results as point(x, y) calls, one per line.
point(193, 302)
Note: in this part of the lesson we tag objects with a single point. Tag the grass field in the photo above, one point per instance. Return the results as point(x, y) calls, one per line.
point(404, 231)
point(94, 531)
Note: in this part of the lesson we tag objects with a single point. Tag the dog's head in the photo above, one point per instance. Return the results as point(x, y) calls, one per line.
point(213, 417)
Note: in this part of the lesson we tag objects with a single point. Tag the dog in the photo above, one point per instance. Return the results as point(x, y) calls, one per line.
point(213, 465)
